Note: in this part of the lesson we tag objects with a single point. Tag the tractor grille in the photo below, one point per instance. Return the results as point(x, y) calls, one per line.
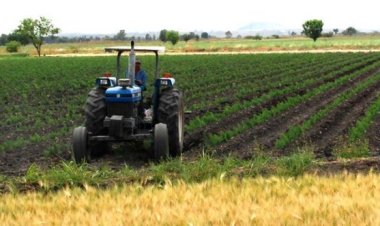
point(125, 109)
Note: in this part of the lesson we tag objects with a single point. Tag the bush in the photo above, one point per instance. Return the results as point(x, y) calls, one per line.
point(256, 37)
point(12, 46)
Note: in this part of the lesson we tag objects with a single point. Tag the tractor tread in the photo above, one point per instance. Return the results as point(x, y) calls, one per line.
point(95, 110)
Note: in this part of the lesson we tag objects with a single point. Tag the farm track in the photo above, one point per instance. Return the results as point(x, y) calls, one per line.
point(264, 136)
point(197, 136)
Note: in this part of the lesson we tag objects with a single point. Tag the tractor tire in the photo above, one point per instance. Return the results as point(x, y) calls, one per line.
point(81, 151)
point(161, 142)
point(170, 112)
point(95, 111)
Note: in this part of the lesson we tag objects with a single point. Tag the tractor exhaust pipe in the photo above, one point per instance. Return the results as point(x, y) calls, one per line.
point(131, 64)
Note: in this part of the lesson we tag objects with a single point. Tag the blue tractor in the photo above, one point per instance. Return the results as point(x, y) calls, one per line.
point(115, 112)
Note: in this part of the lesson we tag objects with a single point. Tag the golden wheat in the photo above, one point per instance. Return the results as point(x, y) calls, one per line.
point(308, 200)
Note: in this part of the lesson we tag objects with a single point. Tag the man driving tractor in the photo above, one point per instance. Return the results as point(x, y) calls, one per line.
point(140, 76)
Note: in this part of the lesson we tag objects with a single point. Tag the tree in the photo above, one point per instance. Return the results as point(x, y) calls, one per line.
point(335, 30)
point(228, 34)
point(22, 38)
point(148, 37)
point(350, 31)
point(3, 39)
point(192, 35)
point(36, 30)
point(121, 35)
point(204, 35)
point(185, 37)
point(162, 36)
point(313, 29)
point(172, 36)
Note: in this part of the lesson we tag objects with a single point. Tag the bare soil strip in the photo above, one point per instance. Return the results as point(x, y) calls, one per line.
point(362, 165)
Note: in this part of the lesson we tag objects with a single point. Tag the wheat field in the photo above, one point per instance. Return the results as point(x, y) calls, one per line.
point(309, 200)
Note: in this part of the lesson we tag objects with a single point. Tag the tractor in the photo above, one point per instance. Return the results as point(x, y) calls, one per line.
point(113, 112)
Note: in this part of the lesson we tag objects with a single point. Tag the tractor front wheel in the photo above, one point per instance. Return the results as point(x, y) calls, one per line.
point(161, 142)
point(80, 150)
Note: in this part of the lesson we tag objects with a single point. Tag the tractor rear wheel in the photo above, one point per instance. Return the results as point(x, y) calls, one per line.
point(161, 142)
point(95, 113)
point(81, 151)
point(170, 112)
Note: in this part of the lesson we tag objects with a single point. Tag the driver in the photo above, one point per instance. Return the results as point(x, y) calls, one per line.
point(140, 76)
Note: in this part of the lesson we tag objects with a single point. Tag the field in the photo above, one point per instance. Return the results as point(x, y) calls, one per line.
point(250, 115)
point(344, 43)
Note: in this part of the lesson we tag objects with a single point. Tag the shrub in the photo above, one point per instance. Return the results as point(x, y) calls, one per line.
point(12, 46)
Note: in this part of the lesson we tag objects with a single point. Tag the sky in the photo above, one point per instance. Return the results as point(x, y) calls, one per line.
point(110, 16)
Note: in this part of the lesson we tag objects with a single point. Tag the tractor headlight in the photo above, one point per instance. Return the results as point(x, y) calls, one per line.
point(103, 82)
point(124, 82)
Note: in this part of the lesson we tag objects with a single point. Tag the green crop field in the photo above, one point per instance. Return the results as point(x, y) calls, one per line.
point(239, 103)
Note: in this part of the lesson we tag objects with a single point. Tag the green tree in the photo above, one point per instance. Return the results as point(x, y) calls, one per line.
point(162, 36)
point(22, 38)
point(185, 37)
point(148, 37)
point(313, 29)
point(36, 30)
point(335, 30)
point(350, 31)
point(204, 35)
point(121, 35)
point(172, 36)
point(3, 39)
point(228, 34)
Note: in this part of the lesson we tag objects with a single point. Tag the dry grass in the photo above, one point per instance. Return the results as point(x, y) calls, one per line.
point(308, 200)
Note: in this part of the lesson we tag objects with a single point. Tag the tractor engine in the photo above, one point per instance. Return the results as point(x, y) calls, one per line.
point(122, 108)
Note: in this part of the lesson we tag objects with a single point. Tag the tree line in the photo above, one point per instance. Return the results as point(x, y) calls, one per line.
point(39, 31)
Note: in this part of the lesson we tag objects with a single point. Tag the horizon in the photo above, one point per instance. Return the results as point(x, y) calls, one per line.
point(100, 17)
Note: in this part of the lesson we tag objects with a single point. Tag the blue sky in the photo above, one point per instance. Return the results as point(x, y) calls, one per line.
point(107, 17)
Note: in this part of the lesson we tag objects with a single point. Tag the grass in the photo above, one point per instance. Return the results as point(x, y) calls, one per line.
point(307, 200)
point(175, 170)
point(68, 174)
point(352, 150)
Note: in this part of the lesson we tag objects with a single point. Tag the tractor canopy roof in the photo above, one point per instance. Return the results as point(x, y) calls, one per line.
point(155, 49)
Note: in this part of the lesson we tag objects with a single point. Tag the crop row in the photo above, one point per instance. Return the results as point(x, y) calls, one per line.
point(290, 102)
point(296, 83)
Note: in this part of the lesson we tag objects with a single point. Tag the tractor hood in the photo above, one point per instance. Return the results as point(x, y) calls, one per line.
point(120, 94)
